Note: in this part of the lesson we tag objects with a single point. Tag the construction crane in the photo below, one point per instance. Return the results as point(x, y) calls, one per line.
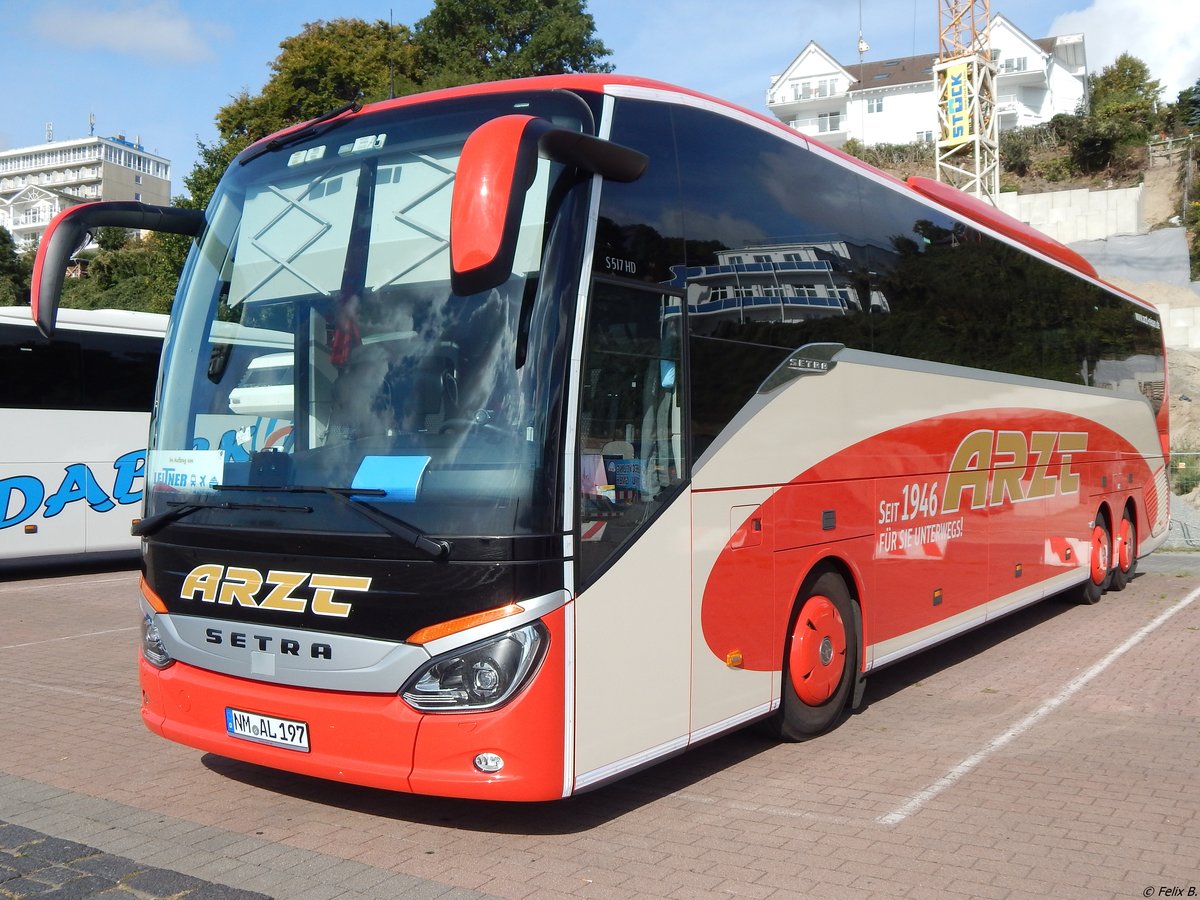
point(968, 145)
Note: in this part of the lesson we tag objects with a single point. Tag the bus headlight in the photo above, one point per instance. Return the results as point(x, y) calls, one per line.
point(152, 646)
point(480, 676)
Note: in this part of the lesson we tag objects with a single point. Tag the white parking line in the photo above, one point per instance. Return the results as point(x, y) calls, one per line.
point(69, 637)
point(914, 804)
point(17, 587)
point(75, 692)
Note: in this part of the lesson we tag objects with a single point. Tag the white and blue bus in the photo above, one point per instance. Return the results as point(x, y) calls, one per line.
point(75, 414)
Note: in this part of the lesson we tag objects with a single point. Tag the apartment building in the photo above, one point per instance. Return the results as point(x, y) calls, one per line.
point(36, 183)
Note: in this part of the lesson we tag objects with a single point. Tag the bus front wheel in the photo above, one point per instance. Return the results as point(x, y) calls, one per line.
point(820, 660)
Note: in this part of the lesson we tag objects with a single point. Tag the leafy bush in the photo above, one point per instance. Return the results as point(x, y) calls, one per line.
point(1058, 168)
point(1020, 147)
point(1185, 471)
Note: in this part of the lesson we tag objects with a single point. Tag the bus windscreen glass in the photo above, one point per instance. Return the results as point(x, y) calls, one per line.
point(336, 356)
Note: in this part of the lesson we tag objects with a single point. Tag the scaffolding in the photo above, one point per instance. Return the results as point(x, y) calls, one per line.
point(968, 144)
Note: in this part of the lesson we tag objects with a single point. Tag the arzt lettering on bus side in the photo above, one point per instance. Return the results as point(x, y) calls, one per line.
point(21, 496)
point(996, 467)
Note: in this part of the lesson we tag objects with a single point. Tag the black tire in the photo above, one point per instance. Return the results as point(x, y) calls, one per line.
point(1099, 564)
point(1124, 558)
point(825, 663)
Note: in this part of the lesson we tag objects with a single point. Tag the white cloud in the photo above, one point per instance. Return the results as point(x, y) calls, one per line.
point(155, 31)
point(1161, 34)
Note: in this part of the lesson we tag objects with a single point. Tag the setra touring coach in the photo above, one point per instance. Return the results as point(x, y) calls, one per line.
point(515, 437)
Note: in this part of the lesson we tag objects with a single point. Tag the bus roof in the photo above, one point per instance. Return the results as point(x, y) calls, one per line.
point(116, 321)
point(961, 204)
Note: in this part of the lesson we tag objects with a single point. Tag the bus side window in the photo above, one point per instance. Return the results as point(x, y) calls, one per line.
point(631, 417)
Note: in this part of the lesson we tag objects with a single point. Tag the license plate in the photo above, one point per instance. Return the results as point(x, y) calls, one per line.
point(267, 729)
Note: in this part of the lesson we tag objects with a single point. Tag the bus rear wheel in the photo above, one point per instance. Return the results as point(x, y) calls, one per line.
point(1099, 563)
point(820, 660)
point(1124, 562)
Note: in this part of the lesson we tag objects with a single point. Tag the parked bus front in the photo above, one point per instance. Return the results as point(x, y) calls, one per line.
point(389, 547)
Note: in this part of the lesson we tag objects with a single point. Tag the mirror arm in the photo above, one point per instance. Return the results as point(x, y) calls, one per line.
point(69, 231)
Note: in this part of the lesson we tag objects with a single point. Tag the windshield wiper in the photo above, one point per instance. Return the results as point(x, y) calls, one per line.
point(311, 130)
point(151, 524)
point(350, 499)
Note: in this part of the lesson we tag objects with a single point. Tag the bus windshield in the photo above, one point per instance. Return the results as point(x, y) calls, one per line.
point(333, 355)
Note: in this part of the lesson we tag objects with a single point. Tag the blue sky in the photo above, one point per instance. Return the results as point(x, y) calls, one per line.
point(159, 70)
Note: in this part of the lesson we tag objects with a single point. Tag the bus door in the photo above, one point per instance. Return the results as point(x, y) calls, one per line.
point(633, 611)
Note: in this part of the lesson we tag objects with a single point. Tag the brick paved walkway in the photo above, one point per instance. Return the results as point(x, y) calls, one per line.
point(986, 768)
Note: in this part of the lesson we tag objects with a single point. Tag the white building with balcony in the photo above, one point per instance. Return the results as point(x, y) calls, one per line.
point(893, 101)
point(36, 183)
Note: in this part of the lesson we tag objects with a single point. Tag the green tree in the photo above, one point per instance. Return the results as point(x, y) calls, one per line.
point(112, 238)
point(212, 161)
point(1188, 106)
point(1125, 95)
point(464, 41)
point(332, 63)
point(141, 274)
point(326, 65)
point(15, 270)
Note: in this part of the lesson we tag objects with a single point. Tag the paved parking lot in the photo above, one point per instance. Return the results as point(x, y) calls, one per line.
point(1054, 753)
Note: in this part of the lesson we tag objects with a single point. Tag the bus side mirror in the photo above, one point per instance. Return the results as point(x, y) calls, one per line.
point(497, 166)
point(69, 230)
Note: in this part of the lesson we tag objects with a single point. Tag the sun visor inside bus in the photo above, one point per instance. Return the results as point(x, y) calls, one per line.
point(398, 476)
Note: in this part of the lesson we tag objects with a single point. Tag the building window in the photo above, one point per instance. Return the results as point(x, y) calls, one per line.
point(924, 137)
point(827, 122)
point(137, 179)
point(1017, 64)
point(874, 104)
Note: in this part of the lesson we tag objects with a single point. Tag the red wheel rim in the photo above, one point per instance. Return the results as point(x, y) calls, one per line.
point(1124, 548)
point(818, 655)
point(1100, 551)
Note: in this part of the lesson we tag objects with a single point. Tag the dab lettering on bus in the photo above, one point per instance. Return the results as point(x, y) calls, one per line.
point(21, 496)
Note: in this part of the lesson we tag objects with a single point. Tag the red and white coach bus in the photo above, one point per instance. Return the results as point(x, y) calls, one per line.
point(613, 418)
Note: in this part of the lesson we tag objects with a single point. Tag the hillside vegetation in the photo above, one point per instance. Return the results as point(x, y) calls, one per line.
point(1127, 131)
